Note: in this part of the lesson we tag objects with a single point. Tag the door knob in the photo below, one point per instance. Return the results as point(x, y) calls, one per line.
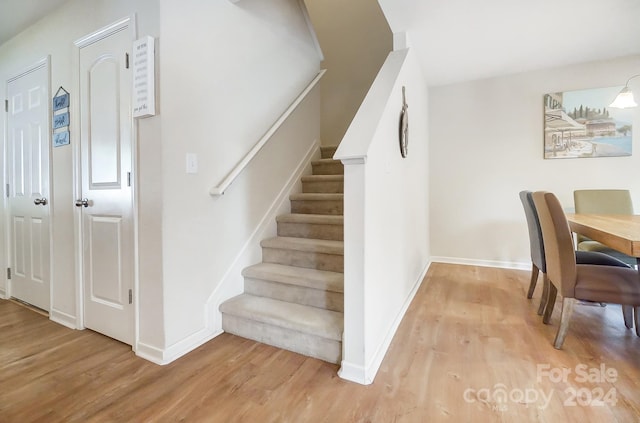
point(82, 203)
point(40, 201)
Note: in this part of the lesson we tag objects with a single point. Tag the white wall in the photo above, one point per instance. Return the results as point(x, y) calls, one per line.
point(355, 40)
point(487, 145)
point(54, 35)
point(225, 72)
point(386, 214)
point(228, 71)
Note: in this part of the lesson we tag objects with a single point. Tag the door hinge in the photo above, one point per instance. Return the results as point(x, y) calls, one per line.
point(126, 60)
point(7, 190)
point(8, 273)
point(6, 105)
point(128, 179)
point(130, 296)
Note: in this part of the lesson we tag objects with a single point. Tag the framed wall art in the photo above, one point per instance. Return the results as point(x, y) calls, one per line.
point(580, 124)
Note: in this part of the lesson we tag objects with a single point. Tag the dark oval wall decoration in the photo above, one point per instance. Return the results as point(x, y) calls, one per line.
point(404, 126)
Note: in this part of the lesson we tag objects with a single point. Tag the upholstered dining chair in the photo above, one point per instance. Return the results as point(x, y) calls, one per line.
point(538, 263)
point(603, 201)
point(611, 284)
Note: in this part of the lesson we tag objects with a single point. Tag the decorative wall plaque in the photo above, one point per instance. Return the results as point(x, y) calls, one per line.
point(404, 126)
point(144, 98)
point(60, 138)
point(61, 100)
point(60, 118)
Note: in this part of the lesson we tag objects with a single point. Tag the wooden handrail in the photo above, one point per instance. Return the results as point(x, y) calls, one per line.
point(237, 170)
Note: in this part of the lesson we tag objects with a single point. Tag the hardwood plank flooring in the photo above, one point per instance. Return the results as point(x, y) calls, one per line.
point(469, 335)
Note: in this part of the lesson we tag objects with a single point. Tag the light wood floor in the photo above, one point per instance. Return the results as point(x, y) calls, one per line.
point(469, 330)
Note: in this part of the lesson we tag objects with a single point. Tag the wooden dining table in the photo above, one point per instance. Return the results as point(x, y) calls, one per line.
point(620, 232)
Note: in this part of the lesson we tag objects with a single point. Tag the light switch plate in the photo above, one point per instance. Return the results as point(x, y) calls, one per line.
point(192, 163)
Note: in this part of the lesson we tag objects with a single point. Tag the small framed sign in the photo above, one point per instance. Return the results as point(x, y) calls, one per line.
point(60, 138)
point(61, 120)
point(60, 101)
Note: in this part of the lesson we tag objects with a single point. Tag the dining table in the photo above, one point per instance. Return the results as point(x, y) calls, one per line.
point(617, 231)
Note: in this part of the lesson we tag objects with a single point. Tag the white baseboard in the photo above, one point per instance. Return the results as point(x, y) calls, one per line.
point(150, 353)
point(3, 293)
point(376, 361)
point(483, 263)
point(167, 355)
point(354, 373)
point(366, 375)
point(63, 319)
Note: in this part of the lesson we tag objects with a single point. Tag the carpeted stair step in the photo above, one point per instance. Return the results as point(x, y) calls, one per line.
point(317, 203)
point(316, 288)
point(327, 151)
point(323, 183)
point(306, 330)
point(315, 226)
point(301, 252)
point(327, 167)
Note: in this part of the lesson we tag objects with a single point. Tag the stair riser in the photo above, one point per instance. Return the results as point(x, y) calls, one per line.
point(323, 187)
point(313, 346)
point(302, 307)
point(333, 207)
point(310, 260)
point(310, 230)
point(333, 168)
point(327, 152)
point(295, 294)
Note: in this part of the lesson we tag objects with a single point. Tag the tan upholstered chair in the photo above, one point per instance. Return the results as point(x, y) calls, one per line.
point(618, 285)
point(603, 201)
point(538, 263)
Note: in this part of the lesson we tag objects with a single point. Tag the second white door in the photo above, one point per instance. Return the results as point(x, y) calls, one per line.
point(106, 198)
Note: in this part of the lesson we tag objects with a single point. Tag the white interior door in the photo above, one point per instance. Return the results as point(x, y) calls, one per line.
point(28, 185)
point(106, 200)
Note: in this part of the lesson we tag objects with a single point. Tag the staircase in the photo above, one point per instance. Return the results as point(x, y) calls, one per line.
point(294, 298)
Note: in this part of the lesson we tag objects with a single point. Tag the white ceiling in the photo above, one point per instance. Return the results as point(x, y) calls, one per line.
point(17, 15)
point(459, 40)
